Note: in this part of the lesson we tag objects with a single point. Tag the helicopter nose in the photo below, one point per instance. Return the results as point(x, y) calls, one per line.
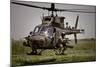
point(38, 40)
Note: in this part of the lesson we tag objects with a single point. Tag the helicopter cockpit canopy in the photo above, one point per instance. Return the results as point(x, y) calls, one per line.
point(44, 30)
point(36, 29)
point(47, 31)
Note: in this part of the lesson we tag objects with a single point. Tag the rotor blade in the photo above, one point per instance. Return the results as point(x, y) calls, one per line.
point(76, 22)
point(75, 37)
point(75, 10)
point(52, 6)
point(30, 5)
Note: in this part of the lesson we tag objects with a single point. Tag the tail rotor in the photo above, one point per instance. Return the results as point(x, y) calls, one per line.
point(76, 24)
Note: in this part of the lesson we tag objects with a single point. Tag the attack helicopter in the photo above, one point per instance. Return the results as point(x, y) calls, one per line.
point(50, 34)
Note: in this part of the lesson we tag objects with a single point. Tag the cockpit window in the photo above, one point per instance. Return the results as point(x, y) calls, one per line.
point(36, 29)
point(44, 28)
point(48, 31)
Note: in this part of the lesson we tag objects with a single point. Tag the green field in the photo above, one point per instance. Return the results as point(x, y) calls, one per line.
point(84, 51)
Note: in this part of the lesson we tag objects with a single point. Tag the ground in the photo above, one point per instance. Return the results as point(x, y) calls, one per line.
point(84, 51)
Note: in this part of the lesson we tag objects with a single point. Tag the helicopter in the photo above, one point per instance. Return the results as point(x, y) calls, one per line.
point(50, 34)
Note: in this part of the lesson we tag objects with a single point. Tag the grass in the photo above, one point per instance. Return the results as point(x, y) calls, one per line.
point(84, 51)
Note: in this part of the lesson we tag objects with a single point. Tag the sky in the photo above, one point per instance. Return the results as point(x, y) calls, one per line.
point(24, 19)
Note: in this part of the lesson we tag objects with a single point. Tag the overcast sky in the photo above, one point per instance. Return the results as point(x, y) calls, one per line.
point(24, 19)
